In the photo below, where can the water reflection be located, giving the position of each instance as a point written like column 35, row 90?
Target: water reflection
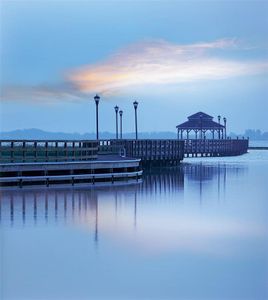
column 167, row 235
column 21, row 206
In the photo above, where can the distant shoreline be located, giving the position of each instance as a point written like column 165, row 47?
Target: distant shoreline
column 257, row 148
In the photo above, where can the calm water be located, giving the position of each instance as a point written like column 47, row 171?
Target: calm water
column 258, row 143
column 199, row 231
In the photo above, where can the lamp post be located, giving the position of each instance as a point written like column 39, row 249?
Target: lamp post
column 219, row 121
column 97, row 100
column 135, row 104
column 121, row 114
column 201, row 126
column 224, row 120
column 116, row 108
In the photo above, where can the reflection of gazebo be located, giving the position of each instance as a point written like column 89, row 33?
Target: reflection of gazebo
column 201, row 123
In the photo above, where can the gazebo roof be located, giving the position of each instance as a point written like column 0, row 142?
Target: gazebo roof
column 200, row 114
column 200, row 121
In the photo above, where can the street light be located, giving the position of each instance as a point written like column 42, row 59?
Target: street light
column 121, row 114
column 201, row 126
column 116, row 108
column 219, row 121
column 135, row 104
column 224, row 120
column 97, row 100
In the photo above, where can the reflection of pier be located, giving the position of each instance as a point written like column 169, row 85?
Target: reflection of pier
column 47, row 206
column 199, row 171
column 216, row 175
column 163, row 181
column 32, row 207
column 43, row 206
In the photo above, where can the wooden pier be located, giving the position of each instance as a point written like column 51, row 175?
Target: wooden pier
column 207, row 147
column 151, row 152
column 48, row 163
column 26, row 162
column 171, row 152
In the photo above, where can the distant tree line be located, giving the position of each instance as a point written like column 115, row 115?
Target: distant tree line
column 252, row 134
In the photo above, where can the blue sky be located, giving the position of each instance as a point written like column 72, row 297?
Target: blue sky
column 174, row 57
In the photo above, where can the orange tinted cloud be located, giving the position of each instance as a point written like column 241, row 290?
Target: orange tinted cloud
column 154, row 63
column 160, row 62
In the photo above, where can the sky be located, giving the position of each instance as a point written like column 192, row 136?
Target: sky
column 174, row 57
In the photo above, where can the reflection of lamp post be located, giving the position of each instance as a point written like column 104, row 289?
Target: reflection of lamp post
column 116, row 108
column 135, row 104
column 97, row 100
column 121, row 114
column 224, row 120
column 219, row 121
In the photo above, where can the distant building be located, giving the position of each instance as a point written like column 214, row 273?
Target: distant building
column 201, row 123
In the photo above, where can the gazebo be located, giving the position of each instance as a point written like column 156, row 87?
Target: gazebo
column 200, row 123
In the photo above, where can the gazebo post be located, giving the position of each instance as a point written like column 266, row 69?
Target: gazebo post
column 181, row 134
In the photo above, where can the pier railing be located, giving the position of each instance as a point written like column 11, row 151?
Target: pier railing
column 47, row 150
column 146, row 150
column 208, row 147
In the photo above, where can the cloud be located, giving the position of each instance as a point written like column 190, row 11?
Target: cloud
column 49, row 93
column 151, row 63
column 163, row 63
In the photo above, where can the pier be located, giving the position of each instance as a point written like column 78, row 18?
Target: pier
column 205, row 147
column 91, row 162
column 74, row 163
column 209, row 137
column 23, row 151
column 171, row 152
column 150, row 152
column 47, row 163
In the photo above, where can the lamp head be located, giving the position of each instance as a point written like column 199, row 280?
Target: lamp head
column 97, row 99
column 120, row 113
column 116, row 108
column 135, row 103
